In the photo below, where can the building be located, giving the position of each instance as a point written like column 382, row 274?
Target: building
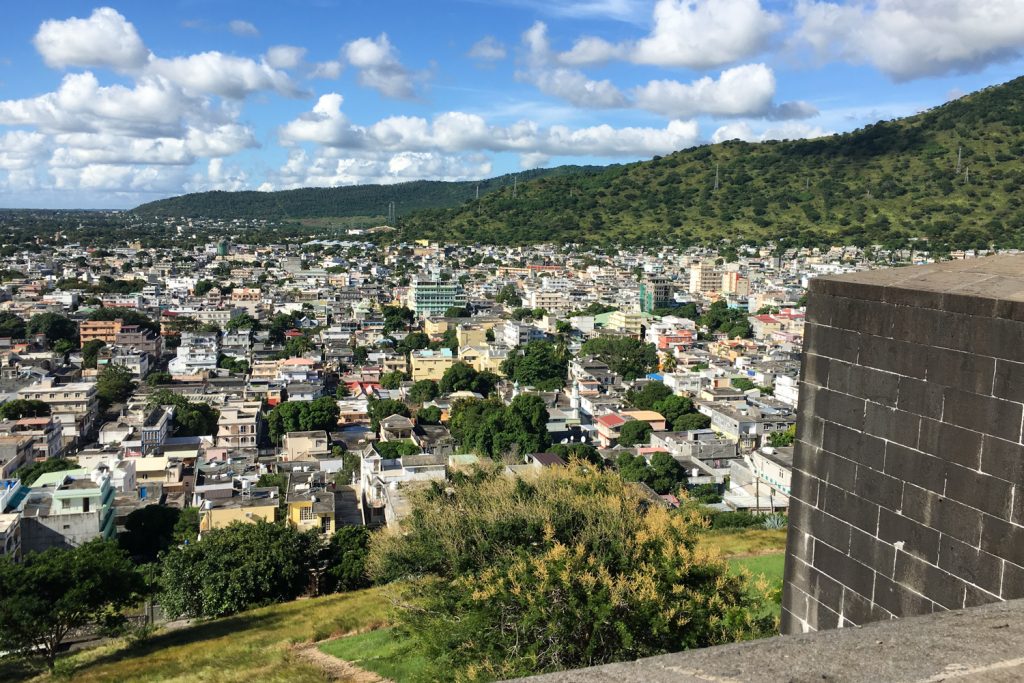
column 67, row 509
column 141, row 338
column 10, row 535
column 627, row 322
column 136, row 361
column 305, row 445
column 242, row 502
column 430, row 364
column 655, row 292
column 15, row 452
column 705, row 278
column 238, row 426
column 197, row 354
column 105, row 331
column 434, row 297
column 45, row 433
column 735, row 284
column 156, row 427
column 310, row 502
column 74, row 405
column 514, row 333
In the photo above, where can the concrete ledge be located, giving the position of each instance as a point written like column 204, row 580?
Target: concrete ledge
column 979, row 644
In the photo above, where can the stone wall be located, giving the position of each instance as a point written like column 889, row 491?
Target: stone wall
column 908, row 483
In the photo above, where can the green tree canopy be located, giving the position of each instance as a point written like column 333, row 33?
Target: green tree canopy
column 649, row 394
column 380, row 409
column 24, row 407
column 149, row 531
column 29, row 473
column 114, row 384
column 431, row 415
column 190, row 419
column 242, row 566
column 532, row 575
column 392, row 380
column 53, row 326
column 634, row 433
column 52, row 593
column 490, row 428
column 11, row 326
column 91, row 351
column 346, row 559
column 691, row 421
column 302, row 416
column 627, row 357
column 423, row 391
column 539, row 364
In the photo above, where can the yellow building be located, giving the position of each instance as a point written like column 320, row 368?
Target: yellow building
column 471, row 335
column 629, row 322
column 429, row 364
column 249, row 506
column 310, row 504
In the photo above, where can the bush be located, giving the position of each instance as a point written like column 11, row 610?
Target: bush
column 526, row 576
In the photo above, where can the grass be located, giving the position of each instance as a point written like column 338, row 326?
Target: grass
column 384, row 652
column 742, row 542
column 251, row 646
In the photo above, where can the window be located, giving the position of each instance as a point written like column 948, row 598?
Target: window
column 85, row 505
column 306, row 514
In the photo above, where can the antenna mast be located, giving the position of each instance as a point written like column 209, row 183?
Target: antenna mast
column 515, row 186
column 959, row 151
column 716, row 175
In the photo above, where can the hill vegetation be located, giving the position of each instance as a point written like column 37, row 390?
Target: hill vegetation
column 341, row 202
column 952, row 174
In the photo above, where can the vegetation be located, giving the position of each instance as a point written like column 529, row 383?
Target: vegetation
column 54, row 326
column 386, row 652
column 546, row 574
column 49, row 594
column 634, row 433
column 539, row 364
column 423, row 391
column 392, row 380
column 114, row 384
column 91, row 352
column 731, row 322
column 663, row 474
column 11, row 326
column 24, row 407
column 128, row 316
column 463, row 377
column 380, row 409
column 648, row 395
column 627, row 357
column 490, row 428
column 153, row 529
column 302, row 416
column 29, row 473
column 784, row 438
column 190, row 419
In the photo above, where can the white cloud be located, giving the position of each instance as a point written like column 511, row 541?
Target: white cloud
column 590, row 50
column 331, row 168
column 240, row 27
column 285, row 56
column 219, row 177
column 906, row 39
column 329, row 70
column 488, row 49
column 379, row 67
column 574, row 87
column 22, row 149
column 533, row 160
column 215, row 73
column 105, row 39
column 742, row 130
column 450, row 132
column 743, row 90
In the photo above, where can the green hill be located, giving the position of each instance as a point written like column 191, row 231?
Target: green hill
column 880, row 184
column 340, row 202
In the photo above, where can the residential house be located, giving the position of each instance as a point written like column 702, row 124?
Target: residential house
column 305, row 445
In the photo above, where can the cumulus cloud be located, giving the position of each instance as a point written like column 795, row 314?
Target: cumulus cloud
column 328, row 71
column 240, row 27
column 907, row 40
column 574, row 87
column 215, row 73
column 105, row 39
column 696, row 34
column 742, row 130
column 488, row 49
column 285, row 56
column 379, row 67
column 450, row 132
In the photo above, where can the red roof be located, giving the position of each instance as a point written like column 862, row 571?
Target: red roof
column 611, row 420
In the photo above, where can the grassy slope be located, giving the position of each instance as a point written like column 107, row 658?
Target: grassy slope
column 882, row 183
column 248, row 647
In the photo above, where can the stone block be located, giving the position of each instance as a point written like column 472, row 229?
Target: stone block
column 843, row 569
column 1009, row 381
column 879, row 488
column 920, row 397
column 898, row 600
column 1002, row 538
column 892, row 424
column 857, row 380
column 891, row 355
column 915, row 467
column 942, row 514
column 983, row 414
column 950, row 443
column 1003, row 459
column 912, row 537
column 840, row 408
column 854, row 445
column 966, row 371
column 930, row 581
column 872, row 551
column 1013, row 581
column 857, row 511
column 980, row 491
column 974, row 566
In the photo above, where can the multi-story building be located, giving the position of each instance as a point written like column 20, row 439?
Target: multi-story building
column 15, row 452
column 105, row 331
column 156, row 427
column 136, row 360
column 655, row 292
column 627, row 322
column 513, row 333
column 310, row 502
column 430, row 364
column 141, row 338
column 67, row 509
column 45, row 433
column 734, row 283
column 305, row 445
column 10, row 535
column 705, row 278
column 238, row 426
column 243, row 502
column 196, row 354
column 74, row 405
column 434, row 297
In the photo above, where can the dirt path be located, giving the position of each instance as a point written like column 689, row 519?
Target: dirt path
column 336, row 669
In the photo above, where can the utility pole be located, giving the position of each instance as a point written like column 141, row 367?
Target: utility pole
column 967, row 174
column 959, row 151
column 515, row 186
column 478, row 191
column 716, row 176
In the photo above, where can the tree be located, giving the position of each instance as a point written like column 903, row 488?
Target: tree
column 743, row 384
column 634, row 433
column 203, row 287
column 242, row 322
column 423, row 391
column 302, row 416
column 148, row 532
column 53, row 326
column 456, row 312
column 491, row 428
column 672, row 408
column 539, row 364
column 52, row 593
column 509, row 296
column 190, row 419
column 114, row 384
column 91, row 351
column 648, row 395
column 346, row 559
column 29, row 473
column 666, row 473
column 380, row 409
column 397, row 318
column 459, row 377
column 630, row 358
column 392, row 380
column 236, row 568
column 24, row 407
column 691, row 421
column 583, row 451
column 512, row 576
column 413, row 342
column 431, row 415
column 11, row 326
column 128, row 316
column 784, row 438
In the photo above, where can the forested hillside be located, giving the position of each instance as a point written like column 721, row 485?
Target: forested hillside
column 338, row 202
column 880, row 184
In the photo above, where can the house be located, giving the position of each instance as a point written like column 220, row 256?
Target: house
column 74, row 405
column 15, row 452
column 242, row 502
column 384, row 483
column 310, row 502
column 305, row 445
column 10, row 535
column 609, row 426
column 396, row 428
column 45, row 433
column 197, row 354
column 430, row 364
column 238, row 426
column 66, row 509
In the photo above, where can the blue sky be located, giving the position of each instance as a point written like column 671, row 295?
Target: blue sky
column 109, row 106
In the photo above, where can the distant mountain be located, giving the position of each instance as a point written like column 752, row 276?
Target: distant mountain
column 342, row 202
column 953, row 174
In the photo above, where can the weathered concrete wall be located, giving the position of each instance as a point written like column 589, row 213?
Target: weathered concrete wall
column 908, row 487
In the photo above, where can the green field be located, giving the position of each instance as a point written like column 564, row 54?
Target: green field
column 384, row 652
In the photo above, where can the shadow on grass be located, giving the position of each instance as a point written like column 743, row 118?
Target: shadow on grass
column 206, row 630
column 18, row 669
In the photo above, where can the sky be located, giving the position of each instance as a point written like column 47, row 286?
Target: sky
column 111, row 106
